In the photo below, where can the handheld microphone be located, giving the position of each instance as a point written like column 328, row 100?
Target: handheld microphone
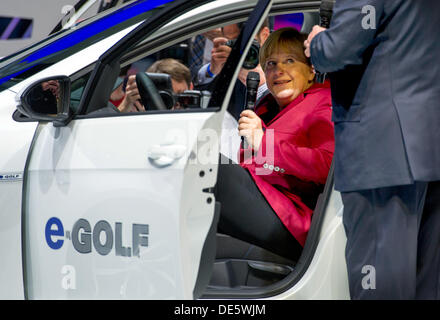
column 252, row 83
column 325, row 14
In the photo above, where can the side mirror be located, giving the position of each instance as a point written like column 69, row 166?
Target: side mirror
column 46, row 100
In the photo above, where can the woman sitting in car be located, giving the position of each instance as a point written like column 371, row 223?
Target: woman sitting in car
column 268, row 199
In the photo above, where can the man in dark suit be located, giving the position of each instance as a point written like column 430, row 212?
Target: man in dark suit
column 382, row 57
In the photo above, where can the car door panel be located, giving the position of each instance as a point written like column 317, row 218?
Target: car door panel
column 98, row 170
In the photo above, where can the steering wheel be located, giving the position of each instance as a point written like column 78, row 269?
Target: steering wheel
column 150, row 96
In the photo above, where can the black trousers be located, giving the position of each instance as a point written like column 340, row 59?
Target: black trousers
column 393, row 242
column 246, row 215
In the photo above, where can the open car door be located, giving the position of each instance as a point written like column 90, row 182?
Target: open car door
column 120, row 206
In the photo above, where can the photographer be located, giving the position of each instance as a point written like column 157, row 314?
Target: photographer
column 221, row 50
column 180, row 80
column 219, row 55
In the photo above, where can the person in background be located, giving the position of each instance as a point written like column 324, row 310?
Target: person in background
column 230, row 141
column 200, row 50
column 180, row 80
column 220, row 54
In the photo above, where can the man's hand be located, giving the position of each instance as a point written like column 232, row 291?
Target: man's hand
column 249, row 126
column 242, row 76
column 219, row 54
column 131, row 102
column 316, row 29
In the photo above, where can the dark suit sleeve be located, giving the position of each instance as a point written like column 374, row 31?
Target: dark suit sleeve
column 345, row 42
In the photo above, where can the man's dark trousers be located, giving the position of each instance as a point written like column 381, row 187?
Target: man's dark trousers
column 394, row 237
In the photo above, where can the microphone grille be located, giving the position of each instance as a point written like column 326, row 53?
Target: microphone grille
column 253, row 79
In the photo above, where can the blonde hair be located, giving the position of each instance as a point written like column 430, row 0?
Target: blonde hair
column 285, row 40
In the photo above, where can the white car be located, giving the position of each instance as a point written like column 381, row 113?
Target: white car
column 98, row 204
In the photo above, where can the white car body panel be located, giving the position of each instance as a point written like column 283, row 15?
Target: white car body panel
column 69, row 167
column 326, row 277
column 15, row 147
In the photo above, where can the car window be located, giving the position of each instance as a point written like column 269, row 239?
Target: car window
column 185, row 63
column 174, row 40
column 181, row 62
column 190, row 58
column 77, row 90
column 188, row 89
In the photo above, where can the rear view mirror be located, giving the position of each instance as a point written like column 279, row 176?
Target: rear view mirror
column 46, row 100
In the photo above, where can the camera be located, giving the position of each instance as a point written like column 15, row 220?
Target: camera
column 193, row 99
column 252, row 59
column 187, row 99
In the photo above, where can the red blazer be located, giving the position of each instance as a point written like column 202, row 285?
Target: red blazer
column 295, row 155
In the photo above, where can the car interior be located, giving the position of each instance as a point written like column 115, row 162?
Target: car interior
column 242, row 269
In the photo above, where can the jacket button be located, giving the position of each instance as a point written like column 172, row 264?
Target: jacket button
column 271, row 167
column 282, row 170
column 265, row 166
column 277, row 169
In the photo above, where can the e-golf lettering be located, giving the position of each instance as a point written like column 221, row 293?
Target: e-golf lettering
column 84, row 237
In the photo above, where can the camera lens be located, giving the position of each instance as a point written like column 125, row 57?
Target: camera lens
column 252, row 58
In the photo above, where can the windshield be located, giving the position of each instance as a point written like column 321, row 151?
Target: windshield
column 60, row 45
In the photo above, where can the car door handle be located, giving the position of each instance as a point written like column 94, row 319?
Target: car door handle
column 165, row 155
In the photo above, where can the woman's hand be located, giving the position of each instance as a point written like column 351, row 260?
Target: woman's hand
column 131, row 102
column 249, row 126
